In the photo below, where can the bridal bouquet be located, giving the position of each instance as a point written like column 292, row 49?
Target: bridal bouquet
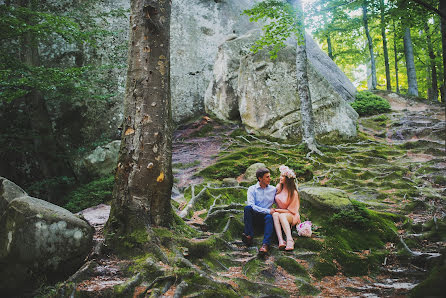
column 304, row 229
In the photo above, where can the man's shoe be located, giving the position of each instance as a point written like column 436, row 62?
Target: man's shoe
column 264, row 249
column 247, row 239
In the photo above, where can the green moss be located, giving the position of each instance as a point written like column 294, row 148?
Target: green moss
column 235, row 163
column 322, row 268
column 291, row 266
column 180, row 165
column 307, row 289
column 433, row 285
column 203, row 131
column 90, row 194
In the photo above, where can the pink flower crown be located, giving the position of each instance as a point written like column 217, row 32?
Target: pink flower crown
column 286, row 171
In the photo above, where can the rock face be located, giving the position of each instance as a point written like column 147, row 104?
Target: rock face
column 39, row 240
column 8, row 192
column 197, row 29
column 263, row 93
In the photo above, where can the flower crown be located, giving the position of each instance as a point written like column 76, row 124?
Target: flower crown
column 286, row 171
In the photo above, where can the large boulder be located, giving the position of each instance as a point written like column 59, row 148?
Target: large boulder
column 8, row 192
column 100, row 162
column 262, row 93
column 38, row 241
column 326, row 198
column 197, row 28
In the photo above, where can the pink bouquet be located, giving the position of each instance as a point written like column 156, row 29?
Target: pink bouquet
column 304, row 229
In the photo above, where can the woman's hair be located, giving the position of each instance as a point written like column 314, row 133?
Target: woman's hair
column 290, row 185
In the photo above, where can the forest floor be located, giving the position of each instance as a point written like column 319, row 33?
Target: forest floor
column 198, row 145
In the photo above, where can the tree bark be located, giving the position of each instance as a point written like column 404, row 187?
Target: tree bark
column 330, row 51
column 410, row 64
column 396, row 59
column 433, row 69
column 386, row 54
column 144, row 179
column 370, row 43
column 303, row 90
column 442, row 8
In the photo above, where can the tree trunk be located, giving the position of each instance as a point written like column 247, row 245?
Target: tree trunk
column 370, row 43
column 396, row 59
column 303, row 89
column 144, row 180
column 330, row 51
column 442, row 8
column 48, row 157
column 433, row 69
column 386, row 54
column 410, row 64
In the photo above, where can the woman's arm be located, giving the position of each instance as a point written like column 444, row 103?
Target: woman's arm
column 282, row 210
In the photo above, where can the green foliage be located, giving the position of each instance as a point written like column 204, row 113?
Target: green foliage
column 283, row 23
column 367, row 103
column 90, row 194
column 50, row 187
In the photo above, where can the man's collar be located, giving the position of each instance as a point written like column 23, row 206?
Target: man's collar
column 258, row 185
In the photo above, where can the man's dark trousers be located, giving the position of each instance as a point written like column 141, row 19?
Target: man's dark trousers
column 252, row 217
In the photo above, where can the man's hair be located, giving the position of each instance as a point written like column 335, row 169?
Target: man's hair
column 260, row 172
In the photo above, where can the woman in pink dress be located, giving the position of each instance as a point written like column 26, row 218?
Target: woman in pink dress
column 286, row 214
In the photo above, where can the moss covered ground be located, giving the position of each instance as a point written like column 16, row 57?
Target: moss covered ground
column 376, row 190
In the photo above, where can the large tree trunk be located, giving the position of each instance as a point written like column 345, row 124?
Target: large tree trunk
column 410, row 64
column 396, row 59
column 442, row 8
column 303, row 90
column 433, row 69
column 370, row 44
column 386, row 54
column 144, row 175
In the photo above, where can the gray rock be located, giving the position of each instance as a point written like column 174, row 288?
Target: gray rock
column 197, row 29
column 263, row 93
column 324, row 197
column 102, row 161
column 40, row 240
column 229, row 182
column 8, row 192
column 250, row 173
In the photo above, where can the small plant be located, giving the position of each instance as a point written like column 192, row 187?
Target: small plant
column 90, row 194
column 367, row 103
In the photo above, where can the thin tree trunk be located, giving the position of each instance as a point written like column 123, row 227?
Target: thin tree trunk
column 144, row 179
column 386, row 54
column 396, row 59
column 303, row 90
column 433, row 69
column 370, row 44
column 442, row 8
column 330, row 51
column 410, row 64
column 47, row 154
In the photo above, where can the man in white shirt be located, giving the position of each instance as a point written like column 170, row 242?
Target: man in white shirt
column 258, row 210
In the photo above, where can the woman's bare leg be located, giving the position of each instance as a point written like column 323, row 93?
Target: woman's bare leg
column 277, row 227
column 286, row 225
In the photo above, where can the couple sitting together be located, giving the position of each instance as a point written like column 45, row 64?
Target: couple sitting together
column 261, row 197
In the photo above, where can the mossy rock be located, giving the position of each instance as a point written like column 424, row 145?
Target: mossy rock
column 323, row 267
column 291, row 266
column 324, row 197
column 434, row 284
column 250, row 173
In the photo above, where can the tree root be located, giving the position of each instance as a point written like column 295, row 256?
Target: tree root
column 191, row 203
column 180, row 289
